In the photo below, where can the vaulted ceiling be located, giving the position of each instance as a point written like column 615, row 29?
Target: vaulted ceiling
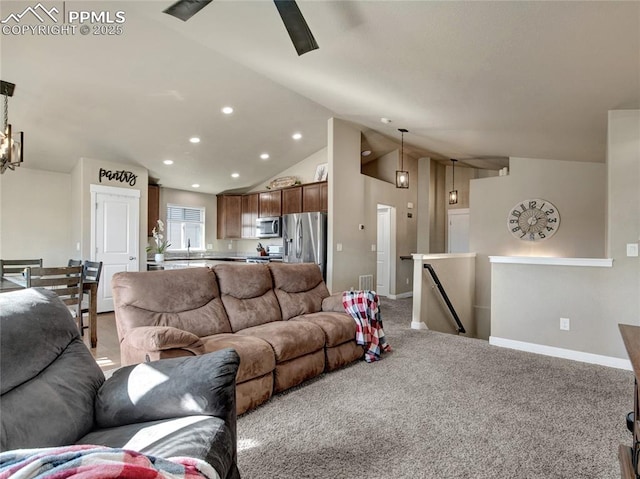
column 467, row 79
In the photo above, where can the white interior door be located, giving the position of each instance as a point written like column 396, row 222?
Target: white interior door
column 383, row 249
column 458, row 230
column 114, row 239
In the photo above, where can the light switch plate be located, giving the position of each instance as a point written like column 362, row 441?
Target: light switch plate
column 632, row 249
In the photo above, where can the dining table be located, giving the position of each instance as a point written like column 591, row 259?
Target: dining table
column 14, row 282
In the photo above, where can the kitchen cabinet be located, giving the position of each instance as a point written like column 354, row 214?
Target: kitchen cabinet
column 249, row 214
column 314, row 197
column 153, row 208
column 324, row 197
column 292, row 200
column 229, row 220
column 270, row 204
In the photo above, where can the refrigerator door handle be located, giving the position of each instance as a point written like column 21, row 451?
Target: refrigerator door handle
column 299, row 238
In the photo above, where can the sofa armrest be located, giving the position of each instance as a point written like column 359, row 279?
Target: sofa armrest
column 159, row 338
column 170, row 388
column 333, row 303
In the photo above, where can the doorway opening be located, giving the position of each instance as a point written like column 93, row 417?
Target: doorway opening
column 386, row 250
column 458, row 230
column 115, row 227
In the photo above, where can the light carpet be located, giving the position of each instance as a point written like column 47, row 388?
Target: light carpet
column 442, row 406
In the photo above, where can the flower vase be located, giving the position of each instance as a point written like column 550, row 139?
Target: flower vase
column 159, row 257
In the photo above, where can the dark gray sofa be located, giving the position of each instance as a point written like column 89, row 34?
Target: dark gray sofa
column 54, row 394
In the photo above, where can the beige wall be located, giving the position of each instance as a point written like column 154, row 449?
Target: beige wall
column 456, row 273
column 594, row 299
column 354, row 197
column 623, row 215
column 577, row 189
column 305, row 170
column 35, row 216
column 88, row 172
column 196, row 200
column 575, row 292
column 438, row 201
column 384, row 168
column 54, row 222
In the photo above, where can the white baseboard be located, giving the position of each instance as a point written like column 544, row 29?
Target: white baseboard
column 418, row 325
column 561, row 353
column 408, row 294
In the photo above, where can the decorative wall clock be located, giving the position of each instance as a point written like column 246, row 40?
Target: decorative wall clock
column 533, row 220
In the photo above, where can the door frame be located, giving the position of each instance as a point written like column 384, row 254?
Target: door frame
column 392, row 246
column 110, row 190
column 451, row 212
column 95, row 190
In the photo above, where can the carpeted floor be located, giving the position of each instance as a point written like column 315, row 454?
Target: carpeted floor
column 442, row 406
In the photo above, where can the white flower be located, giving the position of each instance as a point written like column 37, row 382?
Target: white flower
column 161, row 245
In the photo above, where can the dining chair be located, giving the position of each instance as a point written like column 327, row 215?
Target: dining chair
column 65, row 281
column 90, row 273
column 74, row 262
column 17, row 266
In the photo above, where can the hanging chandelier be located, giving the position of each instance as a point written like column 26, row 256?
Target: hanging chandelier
column 453, row 194
column 11, row 144
column 402, row 177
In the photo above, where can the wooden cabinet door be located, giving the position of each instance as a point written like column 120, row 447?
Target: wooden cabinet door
column 249, row 215
column 292, row 200
column 311, row 197
column 270, row 204
column 229, row 220
column 324, row 196
column 153, row 208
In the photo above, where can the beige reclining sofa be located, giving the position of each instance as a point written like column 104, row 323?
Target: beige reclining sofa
column 279, row 318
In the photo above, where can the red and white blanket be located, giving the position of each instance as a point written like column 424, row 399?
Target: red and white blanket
column 98, row 462
column 364, row 308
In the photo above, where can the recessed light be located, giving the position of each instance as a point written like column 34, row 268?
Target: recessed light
column 296, row 136
column 366, row 153
column 264, row 156
column 235, row 175
column 385, row 120
column 194, row 139
column 195, row 185
column 227, row 110
column 168, row 162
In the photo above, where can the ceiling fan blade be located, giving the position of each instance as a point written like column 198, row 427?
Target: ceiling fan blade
column 185, row 9
column 296, row 26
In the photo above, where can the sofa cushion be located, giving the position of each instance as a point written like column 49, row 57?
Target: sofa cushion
column 299, row 288
column 205, row 437
column 338, row 327
column 256, row 356
column 289, row 339
column 247, row 294
column 169, row 388
column 187, row 299
column 158, row 338
column 49, row 378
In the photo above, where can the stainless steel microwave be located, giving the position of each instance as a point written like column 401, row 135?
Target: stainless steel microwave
column 269, row 227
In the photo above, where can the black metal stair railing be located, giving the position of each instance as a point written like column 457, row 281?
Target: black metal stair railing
column 443, row 293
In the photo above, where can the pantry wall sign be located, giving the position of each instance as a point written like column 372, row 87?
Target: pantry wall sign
column 122, row 176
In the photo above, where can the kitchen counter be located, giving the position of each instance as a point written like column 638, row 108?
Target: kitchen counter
column 180, row 262
column 207, row 257
column 207, row 261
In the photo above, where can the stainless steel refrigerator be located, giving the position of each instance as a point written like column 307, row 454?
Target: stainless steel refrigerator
column 304, row 238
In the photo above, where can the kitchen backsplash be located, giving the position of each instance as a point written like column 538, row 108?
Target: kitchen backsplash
column 244, row 247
